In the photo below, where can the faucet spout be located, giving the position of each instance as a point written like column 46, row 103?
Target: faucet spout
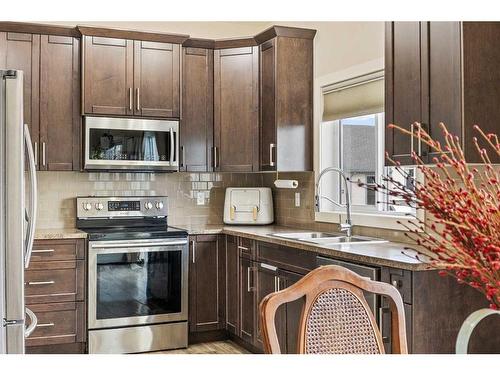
column 344, row 227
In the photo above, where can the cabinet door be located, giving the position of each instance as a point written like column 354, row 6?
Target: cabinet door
column 108, row 76
column 293, row 312
column 232, row 285
column 268, row 105
column 444, row 79
column 206, row 302
column 267, row 282
column 156, row 79
column 59, row 103
column 22, row 52
column 236, row 106
column 247, row 300
column 403, row 86
column 197, row 126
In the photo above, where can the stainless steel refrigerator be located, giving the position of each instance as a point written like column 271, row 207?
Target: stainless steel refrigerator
column 18, row 202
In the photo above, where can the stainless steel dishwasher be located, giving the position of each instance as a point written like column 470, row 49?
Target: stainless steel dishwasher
column 373, row 273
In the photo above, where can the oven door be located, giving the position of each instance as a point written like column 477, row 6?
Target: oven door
column 137, row 282
column 136, row 144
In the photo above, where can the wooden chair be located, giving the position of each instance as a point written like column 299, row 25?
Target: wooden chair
column 336, row 318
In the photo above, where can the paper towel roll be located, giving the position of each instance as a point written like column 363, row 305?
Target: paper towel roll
column 286, row 184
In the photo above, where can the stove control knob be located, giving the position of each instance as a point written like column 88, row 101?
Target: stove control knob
column 148, row 205
column 87, row 206
column 159, row 205
column 99, row 206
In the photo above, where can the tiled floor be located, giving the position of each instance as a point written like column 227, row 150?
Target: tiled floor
column 216, row 347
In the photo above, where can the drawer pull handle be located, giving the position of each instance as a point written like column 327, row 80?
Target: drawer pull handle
column 243, row 248
column 43, row 251
column 41, row 282
column 45, row 325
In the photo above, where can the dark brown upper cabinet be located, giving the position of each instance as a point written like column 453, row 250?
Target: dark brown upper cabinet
column 21, row 51
column 108, row 76
column 131, row 73
column 156, row 79
column 286, row 99
column 60, row 120
column 441, row 72
column 236, row 109
column 196, row 132
column 49, row 56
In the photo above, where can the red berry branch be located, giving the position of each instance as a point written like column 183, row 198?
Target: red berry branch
column 461, row 233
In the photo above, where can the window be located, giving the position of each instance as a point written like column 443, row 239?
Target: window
column 352, row 138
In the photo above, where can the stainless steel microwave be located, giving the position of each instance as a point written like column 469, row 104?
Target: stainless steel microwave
column 132, row 144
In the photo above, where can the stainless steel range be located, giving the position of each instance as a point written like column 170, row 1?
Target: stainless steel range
column 137, row 275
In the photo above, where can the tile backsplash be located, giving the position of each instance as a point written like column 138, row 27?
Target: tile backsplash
column 57, row 192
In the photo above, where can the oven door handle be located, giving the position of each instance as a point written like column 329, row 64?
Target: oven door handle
column 114, row 245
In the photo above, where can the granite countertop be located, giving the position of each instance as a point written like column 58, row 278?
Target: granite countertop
column 59, row 234
column 390, row 254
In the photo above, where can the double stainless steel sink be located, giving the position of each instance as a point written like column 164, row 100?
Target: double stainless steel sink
column 325, row 239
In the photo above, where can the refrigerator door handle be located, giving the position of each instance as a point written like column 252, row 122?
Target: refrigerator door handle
column 30, row 235
column 33, row 323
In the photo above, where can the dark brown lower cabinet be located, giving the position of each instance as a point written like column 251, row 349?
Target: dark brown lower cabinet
column 268, row 281
column 55, row 290
column 247, row 301
column 232, row 285
column 435, row 307
column 206, row 284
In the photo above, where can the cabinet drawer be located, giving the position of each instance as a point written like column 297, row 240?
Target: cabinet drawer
column 58, row 323
column 46, row 282
column 287, row 258
column 48, row 250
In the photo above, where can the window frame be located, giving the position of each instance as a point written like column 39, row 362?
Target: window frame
column 377, row 219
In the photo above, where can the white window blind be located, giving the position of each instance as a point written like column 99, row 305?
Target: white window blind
column 354, row 99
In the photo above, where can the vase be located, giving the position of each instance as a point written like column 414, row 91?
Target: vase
column 468, row 326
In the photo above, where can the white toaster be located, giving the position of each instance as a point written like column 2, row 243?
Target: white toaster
column 250, row 206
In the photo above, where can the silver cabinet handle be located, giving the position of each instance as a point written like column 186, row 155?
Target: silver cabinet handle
column 43, row 251
column 269, row 267
column 276, row 284
column 130, row 98
column 250, row 288
column 33, row 324
column 248, row 280
column 243, row 248
column 411, row 139
column 381, row 311
column 215, row 158
column 43, row 154
column 183, row 162
column 271, row 147
column 138, row 99
column 193, row 247
column 35, row 152
column 41, row 282
column 46, row 325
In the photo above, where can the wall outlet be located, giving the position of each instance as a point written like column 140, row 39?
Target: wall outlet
column 297, row 199
column 200, row 198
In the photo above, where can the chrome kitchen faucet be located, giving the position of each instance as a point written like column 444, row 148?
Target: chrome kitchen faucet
column 344, row 227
